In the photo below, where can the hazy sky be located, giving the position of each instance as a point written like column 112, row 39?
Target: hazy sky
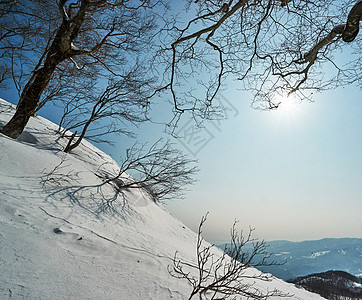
column 292, row 174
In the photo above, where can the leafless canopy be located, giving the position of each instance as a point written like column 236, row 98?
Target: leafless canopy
column 273, row 47
column 123, row 102
column 65, row 49
column 58, row 49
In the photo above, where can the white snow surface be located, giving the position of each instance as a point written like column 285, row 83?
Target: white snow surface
column 316, row 254
column 109, row 245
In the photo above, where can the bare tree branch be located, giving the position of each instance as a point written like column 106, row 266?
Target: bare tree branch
column 272, row 47
column 163, row 171
column 79, row 41
column 228, row 274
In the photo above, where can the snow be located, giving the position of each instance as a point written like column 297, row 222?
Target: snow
column 65, row 234
column 282, row 253
column 316, row 254
column 342, row 251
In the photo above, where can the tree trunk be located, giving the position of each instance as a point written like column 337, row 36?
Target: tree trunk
column 28, row 101
column 34, row 88
column 352, row 27
column 59, row 50
column 71, row 146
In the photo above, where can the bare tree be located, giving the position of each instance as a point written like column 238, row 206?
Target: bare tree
column 271, row 47
column 163, row 171
column 226, row 275
column 55, row 48
column 122, row 102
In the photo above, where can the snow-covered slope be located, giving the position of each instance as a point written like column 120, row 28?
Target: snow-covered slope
column 64, row 234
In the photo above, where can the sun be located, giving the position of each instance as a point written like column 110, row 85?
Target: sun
column 288, row 111
column 287, row 105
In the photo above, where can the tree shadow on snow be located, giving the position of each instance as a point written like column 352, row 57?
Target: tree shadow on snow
column 98, row 199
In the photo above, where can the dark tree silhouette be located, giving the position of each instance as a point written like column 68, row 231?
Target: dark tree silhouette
column 273, row 48
column 54, row 49
column 58, row 49
column 123, row 102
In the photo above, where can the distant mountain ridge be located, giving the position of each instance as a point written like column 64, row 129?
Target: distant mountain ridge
column 333, row 285
column 315, row 256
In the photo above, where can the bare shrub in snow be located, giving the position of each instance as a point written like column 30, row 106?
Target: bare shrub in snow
column 227, row 275
column 163, row 171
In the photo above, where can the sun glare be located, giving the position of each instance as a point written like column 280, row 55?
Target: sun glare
column 287, row 105
column 288, row 111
